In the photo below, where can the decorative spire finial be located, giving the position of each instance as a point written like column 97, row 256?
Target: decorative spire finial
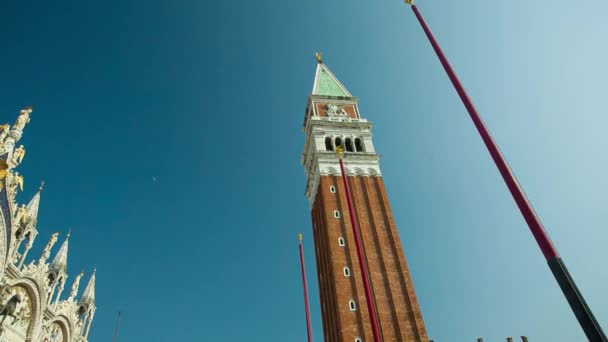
column 47, row 250
column 319, row 57
column 16, row 131
column 409, row 2
column 340, row 151
column 23, row 118
column 300, row 237
column 88, row 295
column 75, row 285
column 32, row 207
column 60, row 261
column 41, row 186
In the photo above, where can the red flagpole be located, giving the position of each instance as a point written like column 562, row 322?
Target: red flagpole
column 580, row 308
column 362, row 263
column 305, row 284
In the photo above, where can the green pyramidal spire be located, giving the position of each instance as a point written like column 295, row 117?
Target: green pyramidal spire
column 326, row 83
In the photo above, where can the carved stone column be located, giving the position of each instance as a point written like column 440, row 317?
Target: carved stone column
column 86, row 334
column 48, row 301
column 58, row 295
column 30, row 242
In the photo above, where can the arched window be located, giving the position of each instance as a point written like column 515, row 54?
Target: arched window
column 358, row 339
column 328, row 144
column 349, row 145
column 336, row 214
column 346, row 272
column 338, row 142
column 341, row 242
column 351, row 305
column 358, row 145
column 332, row 189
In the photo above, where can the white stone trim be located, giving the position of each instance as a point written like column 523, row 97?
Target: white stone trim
column 352, row 306
column 317, row 161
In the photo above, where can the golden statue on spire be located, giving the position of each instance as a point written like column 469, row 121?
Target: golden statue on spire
column 319, row 57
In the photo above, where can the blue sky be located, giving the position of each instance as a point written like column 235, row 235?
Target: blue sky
column 169, row 137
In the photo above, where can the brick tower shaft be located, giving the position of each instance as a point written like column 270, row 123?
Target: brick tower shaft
column 332, row 119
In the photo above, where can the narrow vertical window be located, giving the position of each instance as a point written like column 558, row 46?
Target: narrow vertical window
column 351, row 305
column 349, row 145
column 332, row 189
column 341, row 242
column 328, row 144
column 358, row 145
column 346, row 272
column 336, row 214
column 358, row 339
column 338, row 142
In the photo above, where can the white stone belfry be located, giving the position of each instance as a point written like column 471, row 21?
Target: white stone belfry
column 40, row 313
column 332, row 118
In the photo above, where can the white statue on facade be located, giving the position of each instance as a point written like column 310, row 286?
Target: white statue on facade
column 75, row 285
column 47, row 250
column 23, row 119
column 18, row 155
column 4, row 131
column 27, row 311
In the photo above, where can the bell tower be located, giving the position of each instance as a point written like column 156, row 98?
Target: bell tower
column 332, row 119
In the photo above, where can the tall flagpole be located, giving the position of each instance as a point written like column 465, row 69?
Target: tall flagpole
column 580, row 308
column 362, row 263
column 305, row 285
column 116, row 329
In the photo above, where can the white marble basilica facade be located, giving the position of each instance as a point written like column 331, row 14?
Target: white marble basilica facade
column 32, row 307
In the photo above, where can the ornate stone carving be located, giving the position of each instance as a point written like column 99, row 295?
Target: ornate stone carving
column 13, row 181
column 46, row 253
column 4, row 129
column 16, row 304
column 23, row 119
column 8, row 309
column 53, row 333
column 26, row 312
column 335, row 110
column 75, row 285
column 18, row 154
